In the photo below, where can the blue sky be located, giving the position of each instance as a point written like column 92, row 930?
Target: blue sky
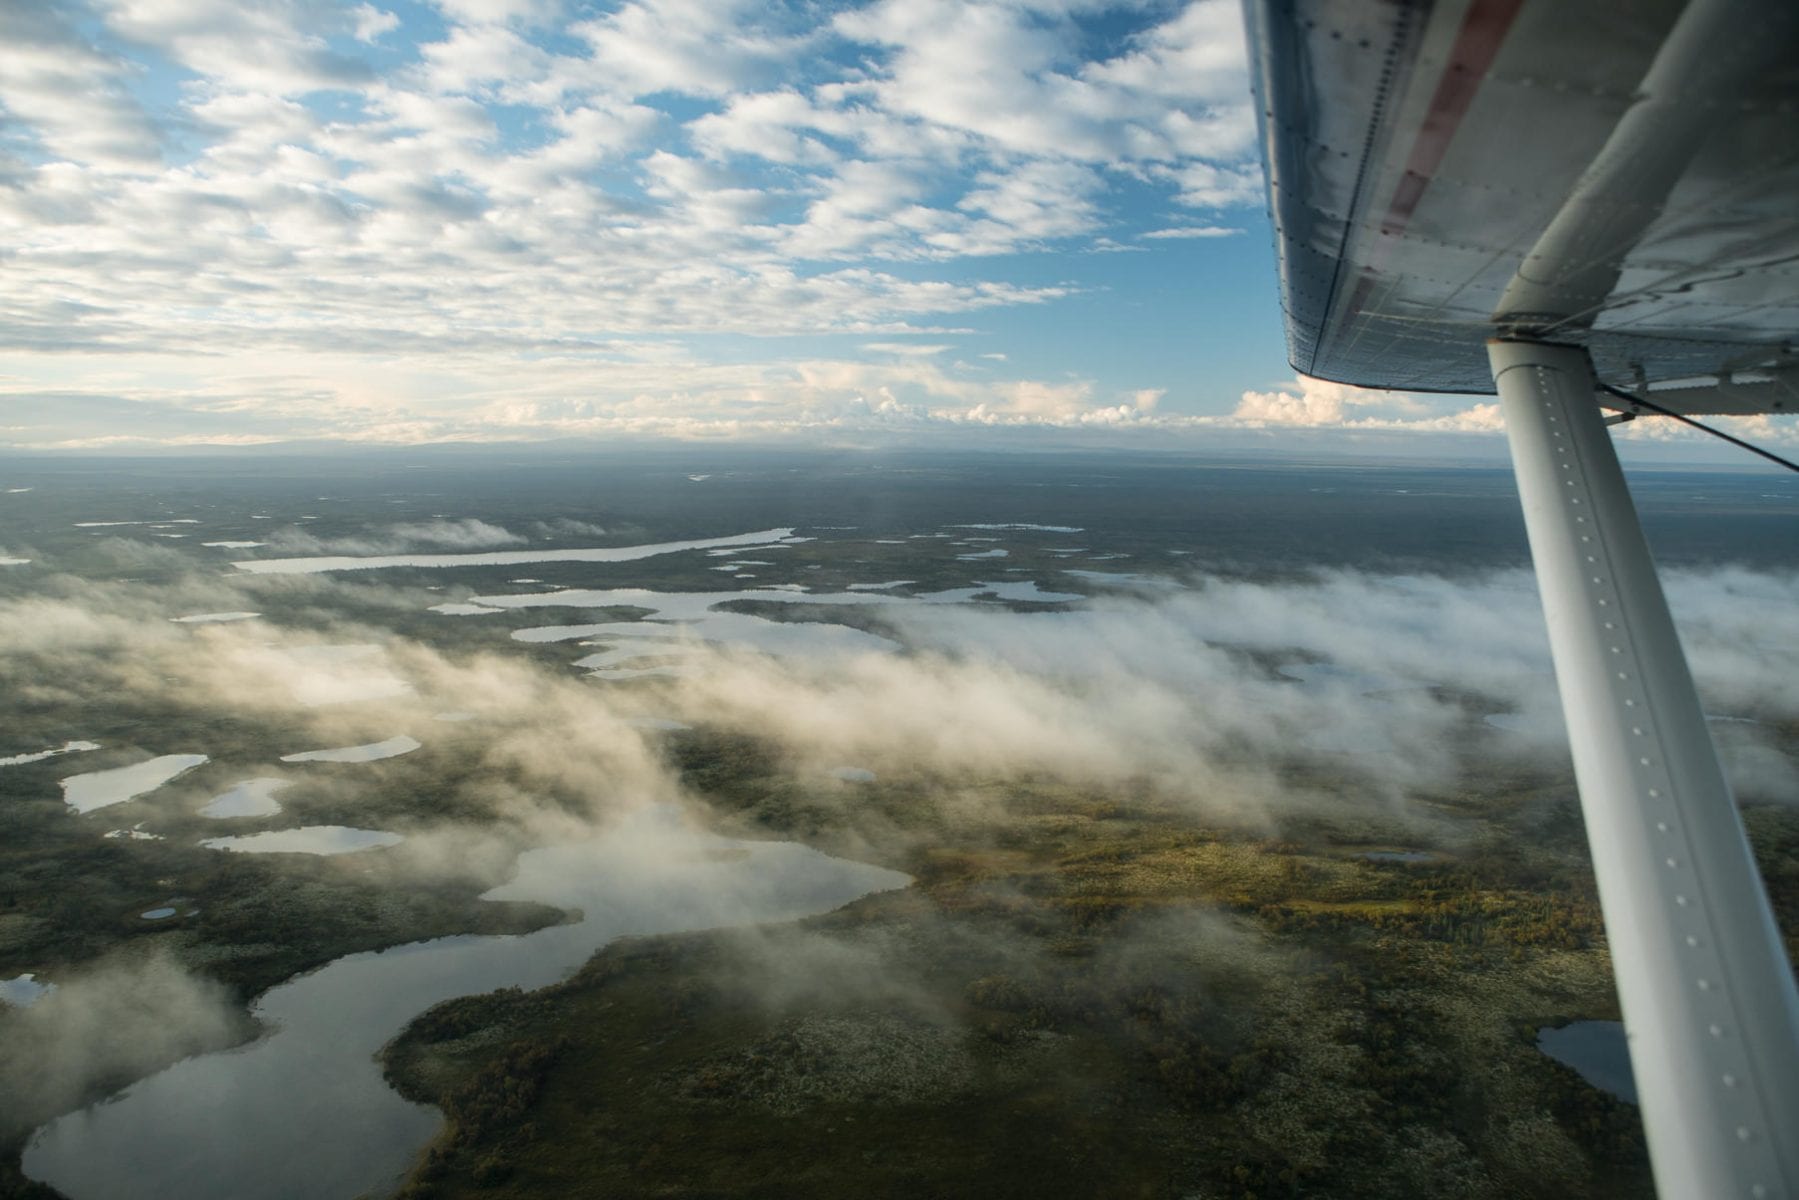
column 517, row 220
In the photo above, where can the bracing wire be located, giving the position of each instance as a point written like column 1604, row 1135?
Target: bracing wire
column 1637, row 401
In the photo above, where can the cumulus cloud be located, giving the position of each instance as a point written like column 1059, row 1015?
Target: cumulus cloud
column 998, row 72
column 306, row 225
column 280, row 48
column 1320, row 404
column 241, row 225
column 1213, row 185
column 697, row 49
column 660, row 390
column 372, row 22
column 72, row 98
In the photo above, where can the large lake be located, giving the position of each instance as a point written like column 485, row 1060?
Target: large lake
column 304, row 1112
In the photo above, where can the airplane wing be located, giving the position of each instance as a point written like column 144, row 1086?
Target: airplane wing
column 1622, row 176
column 1544, row 198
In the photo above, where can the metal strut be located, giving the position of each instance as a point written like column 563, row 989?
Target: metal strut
column 1710, row 1008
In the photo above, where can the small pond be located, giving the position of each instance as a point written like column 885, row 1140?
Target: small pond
column 1597, row 1051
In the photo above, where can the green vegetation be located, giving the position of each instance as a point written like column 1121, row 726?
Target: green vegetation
column 70, row 900
column 1082, row 995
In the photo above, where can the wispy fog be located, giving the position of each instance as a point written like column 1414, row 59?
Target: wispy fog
column 466, row 533
column 109, row 1022
column 1208, row 690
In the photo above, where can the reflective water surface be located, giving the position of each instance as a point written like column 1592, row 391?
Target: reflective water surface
column 303, row 1112
column 1597, row 1052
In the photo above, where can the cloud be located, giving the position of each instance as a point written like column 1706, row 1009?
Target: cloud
column 663, row 389
column 499, row 12
column 466, row 533
column 1194, row 231
column 1214, row 185
column 689, row 47
column 905, row 349
column 998, row 72
column 279, row 48
column 776, row 126
column 1192, row 686
column 469, row 533
column 372, row 22
column 1181, row 688
column 406, row 210
column 1320, row 404
column 1316, row 403
column 1762, row 429
column 556, row 754
column 568, row 527
column 72, row 98
column 115, row 1019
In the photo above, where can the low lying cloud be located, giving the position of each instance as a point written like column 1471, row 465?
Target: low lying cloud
column 568, row 527
column 1205, row 687
column 1211, row 690
column 111, row 1022
column 467, row 533
column 1124, row 691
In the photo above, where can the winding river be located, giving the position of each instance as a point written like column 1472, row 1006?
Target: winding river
column 303, row 1111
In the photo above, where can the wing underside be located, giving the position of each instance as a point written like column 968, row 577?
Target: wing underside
column 1617, row 175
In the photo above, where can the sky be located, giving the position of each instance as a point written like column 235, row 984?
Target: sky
column 523, row 220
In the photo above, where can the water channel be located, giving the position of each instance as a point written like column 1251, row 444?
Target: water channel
column 303, row 1111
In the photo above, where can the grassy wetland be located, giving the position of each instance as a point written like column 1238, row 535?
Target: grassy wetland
column 1244, row 855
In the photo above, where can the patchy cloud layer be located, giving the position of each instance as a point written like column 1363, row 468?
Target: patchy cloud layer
column 519, row 219
column 1209, row 690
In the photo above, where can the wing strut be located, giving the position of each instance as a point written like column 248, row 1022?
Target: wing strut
column 1710, row 1008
